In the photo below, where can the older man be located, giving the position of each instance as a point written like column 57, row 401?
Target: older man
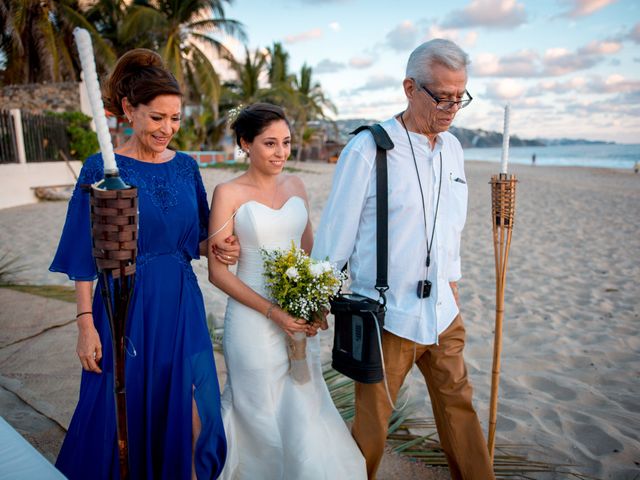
column 427, row 195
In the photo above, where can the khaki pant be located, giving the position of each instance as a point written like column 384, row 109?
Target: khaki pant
column 445, row 372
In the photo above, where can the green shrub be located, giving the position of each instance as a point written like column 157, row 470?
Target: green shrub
column 83, row 142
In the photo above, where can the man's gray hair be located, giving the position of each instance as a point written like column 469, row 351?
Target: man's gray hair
column 439, row 50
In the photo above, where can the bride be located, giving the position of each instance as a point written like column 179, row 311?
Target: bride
column 275, row 427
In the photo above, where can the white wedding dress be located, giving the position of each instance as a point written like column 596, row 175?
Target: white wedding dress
column 276, row 429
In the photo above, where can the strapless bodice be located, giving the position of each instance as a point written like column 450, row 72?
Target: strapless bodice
column 260, row 227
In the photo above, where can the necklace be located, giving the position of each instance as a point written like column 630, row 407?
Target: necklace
column 424, row 286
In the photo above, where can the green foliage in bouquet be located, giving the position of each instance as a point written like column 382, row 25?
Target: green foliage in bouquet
column 300, row 285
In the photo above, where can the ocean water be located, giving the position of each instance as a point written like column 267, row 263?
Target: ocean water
column 622, row 156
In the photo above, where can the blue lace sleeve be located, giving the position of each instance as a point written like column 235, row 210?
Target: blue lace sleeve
column 74, row 256
column 203, row 204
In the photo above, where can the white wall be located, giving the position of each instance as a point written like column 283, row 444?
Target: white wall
column 16, row 180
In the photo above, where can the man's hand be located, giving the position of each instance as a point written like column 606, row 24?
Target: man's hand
column 227, row 252
column 454, row 290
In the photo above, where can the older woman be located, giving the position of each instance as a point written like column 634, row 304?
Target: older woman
column 173, row 398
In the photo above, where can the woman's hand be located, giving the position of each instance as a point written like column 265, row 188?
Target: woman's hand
column 89, row 348
column 288, row 323
column 227, row 252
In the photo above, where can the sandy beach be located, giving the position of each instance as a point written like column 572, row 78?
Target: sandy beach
column 570, row 378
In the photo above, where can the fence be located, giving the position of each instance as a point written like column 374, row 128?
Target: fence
column 8, row 148
column 44, row 137
column 39, row 138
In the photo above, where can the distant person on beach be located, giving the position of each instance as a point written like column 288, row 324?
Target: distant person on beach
column 173, row 400
column 636, row 167
column 427, row 196
column 533, row 159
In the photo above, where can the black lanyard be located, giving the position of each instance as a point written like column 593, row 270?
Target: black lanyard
column 424, row 209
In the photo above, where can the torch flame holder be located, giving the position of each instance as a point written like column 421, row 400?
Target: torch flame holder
column 503, row 200
column 503, row 208
column 114, row 230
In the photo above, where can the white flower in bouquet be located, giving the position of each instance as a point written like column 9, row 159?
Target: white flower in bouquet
column 292, row 273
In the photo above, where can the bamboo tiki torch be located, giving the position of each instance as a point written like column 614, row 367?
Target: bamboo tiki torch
column 114, row 231
column 503, row 203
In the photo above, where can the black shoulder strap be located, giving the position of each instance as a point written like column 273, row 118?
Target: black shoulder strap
column 383, row 143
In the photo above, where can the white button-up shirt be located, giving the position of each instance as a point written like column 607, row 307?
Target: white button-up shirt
column 347, row 230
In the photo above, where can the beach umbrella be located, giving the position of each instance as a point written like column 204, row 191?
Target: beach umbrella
column 503, row 205
column 114, row 231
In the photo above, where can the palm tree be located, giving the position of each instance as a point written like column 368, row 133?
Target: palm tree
column 37, row 41
column 280, row 90
column 182, row 32
column 310, row 104
column 246, row 89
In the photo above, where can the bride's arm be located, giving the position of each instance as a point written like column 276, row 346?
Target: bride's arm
column 222, row 208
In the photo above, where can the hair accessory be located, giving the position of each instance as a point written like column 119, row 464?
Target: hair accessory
column 234, row 113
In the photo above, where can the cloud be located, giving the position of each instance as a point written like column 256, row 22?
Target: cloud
column 519, row 64
column 403, row 37
column 335, row 26
column 467, row 41
column 597, row 48
column 505, row 14
column 360, row 62
column 577, row 84
column 328, row 66
column 507, row 89
column 582, row 8
column 613, row 84
column 304, row 36
column 379, row 82
column 553, row 62
column 560, row 61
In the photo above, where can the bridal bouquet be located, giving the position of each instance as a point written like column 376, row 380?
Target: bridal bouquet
column 302, row 287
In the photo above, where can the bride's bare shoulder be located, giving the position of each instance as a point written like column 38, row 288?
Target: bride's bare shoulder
column 294, row 185
column 235, row 187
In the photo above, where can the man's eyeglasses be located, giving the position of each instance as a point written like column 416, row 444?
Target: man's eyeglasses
column 447, row 105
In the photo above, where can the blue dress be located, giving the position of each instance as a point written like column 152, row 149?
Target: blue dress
column 169, row 357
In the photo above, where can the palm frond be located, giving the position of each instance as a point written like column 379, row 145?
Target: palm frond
column 142, row 20
column 227, row 26
column 10, row 267
column 103, row 50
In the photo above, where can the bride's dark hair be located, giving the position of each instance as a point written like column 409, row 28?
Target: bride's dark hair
column 254, row 119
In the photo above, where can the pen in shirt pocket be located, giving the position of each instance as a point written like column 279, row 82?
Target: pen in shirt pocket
column 457, row 179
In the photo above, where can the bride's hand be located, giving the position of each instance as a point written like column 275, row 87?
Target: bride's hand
column 288, row 323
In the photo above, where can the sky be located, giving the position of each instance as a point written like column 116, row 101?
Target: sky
column 568, row 68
